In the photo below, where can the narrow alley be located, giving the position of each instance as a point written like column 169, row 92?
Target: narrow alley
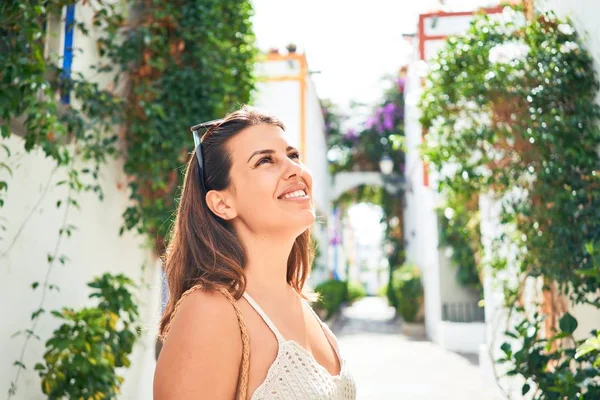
column 388, row 365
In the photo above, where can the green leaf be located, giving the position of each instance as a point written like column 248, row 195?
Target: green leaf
column 5, row 133
column 507, row 349
column 37, row 313
column 34, row 285
column 525, row 389
column 568, row 323
column 590, row 345
column 19, row 364
column 583, row 350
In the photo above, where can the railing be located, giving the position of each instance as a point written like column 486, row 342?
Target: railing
column 462, row 312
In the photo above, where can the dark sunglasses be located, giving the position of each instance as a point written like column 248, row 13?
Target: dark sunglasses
column 206, row 126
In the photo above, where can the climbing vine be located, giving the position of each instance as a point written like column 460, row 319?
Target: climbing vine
column 185, row 62
column 35, row 87
column 511, row 114
column 32, row 87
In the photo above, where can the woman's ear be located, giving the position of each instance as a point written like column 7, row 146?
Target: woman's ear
column 221, row 204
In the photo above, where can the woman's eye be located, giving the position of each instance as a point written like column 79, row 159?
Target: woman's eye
column 295, row 155
column 260, row 162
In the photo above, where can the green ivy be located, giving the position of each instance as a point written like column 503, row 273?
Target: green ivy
column 510, row 111
column 187, row 62
column 31, row 87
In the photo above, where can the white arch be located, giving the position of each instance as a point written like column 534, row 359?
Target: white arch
column 344, row 181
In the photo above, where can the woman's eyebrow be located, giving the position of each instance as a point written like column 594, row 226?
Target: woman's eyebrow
column 268, row 151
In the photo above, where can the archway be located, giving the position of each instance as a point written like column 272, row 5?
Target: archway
column 352, row 189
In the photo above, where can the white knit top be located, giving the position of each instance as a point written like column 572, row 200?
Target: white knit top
column 296, row 374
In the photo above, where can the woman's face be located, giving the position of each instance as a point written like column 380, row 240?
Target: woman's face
column 271, row 191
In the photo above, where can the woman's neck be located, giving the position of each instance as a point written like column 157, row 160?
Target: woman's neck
column 266, row 265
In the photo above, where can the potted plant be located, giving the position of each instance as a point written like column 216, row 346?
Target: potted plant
column 408, row 289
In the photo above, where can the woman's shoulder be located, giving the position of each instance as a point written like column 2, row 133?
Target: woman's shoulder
column 203, row 341
column 206, row 310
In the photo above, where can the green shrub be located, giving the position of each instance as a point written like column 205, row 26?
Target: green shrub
column 355, row 291
column 382, row 292
column 83, row 353
column 408, row 290
column 332, row 294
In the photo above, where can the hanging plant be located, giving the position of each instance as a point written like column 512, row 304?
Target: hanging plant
column 382, row 133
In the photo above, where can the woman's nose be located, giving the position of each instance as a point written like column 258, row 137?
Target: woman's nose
column 293, row 169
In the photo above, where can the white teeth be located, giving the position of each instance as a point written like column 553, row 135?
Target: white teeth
column 297, row 193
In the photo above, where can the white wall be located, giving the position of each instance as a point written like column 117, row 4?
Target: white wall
column 33, row 221
column 451, row 291
column 462, row 337
column 94, row 248
column 420, row 221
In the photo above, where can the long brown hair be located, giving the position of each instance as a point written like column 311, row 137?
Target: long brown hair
column 204, row 249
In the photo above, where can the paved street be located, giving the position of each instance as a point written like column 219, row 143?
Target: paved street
column 388, row 365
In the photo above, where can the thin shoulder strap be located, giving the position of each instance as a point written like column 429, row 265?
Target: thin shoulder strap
column 265, row 317
column 242, row 387
column 328, row 333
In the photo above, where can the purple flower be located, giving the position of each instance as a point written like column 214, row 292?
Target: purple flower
column 336, row 239
column 370, row 122
column 400, row 82
column 388, row 116
column 351, row 134
column 389, row 108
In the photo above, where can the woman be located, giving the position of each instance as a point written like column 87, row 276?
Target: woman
column 238, row 324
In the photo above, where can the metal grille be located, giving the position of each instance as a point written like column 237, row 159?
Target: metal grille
column 462, row 312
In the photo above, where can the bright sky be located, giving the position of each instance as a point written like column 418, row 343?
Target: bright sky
column 365, row 221
column 352, row 43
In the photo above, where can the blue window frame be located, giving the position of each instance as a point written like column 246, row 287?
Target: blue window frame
column 68, row 51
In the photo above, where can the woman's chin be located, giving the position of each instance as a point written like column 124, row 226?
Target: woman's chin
column 301, row 220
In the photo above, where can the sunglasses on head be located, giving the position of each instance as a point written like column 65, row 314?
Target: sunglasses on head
column 206, row 126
